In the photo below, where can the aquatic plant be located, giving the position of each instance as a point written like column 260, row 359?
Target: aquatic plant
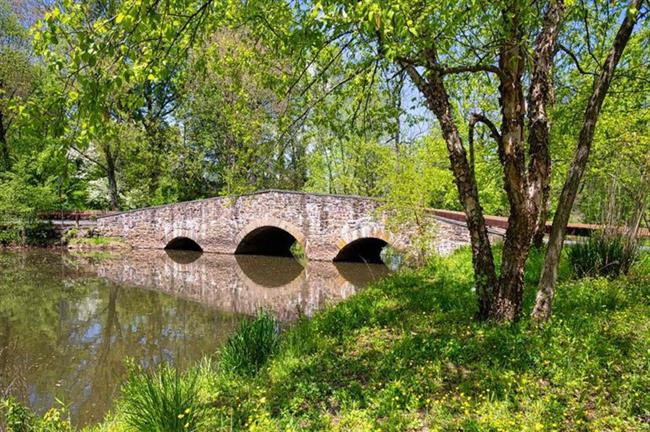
column 162, row 401
column 251, row 345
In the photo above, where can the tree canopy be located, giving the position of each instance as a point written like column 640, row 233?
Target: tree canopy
column 512, row 108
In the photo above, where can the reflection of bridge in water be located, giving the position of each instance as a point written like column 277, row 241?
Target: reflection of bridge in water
column 242, row 283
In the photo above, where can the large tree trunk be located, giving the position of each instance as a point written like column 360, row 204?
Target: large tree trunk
column 539, row 97
column 546, row 290
column 525, row 189
column 540, row 227
column 435, row 93
column 509, row 294
column 111, row 174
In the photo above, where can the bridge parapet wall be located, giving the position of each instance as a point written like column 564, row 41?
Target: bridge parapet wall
column 323, row 224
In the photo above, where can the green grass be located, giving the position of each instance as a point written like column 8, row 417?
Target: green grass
column 602, row 256
column 248, row 349
column 406, row 354
column 97, row 243
column 163, row 401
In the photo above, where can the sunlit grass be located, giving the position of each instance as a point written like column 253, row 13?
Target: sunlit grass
column 163, row 401
column 407, row 354
column 251, row 345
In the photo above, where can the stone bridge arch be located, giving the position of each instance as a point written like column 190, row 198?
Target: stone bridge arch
column 183, row 243
column 268, row 235
column 363, row 244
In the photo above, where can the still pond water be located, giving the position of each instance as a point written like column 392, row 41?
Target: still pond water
column 68, row 322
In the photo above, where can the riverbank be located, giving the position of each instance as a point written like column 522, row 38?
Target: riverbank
column 45, row 236
column 406, row 354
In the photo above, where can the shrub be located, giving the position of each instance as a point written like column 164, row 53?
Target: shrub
column 19, row 418
column 253, row 343
column 298, row 252
column 162, row 401
column 54, row 420
column 28, row 234
column 9, row 236
column 40, row 234
column 602, row 256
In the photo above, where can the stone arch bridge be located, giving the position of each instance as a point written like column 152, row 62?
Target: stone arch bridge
column 328, row 227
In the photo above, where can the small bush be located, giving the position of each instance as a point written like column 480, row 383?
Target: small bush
column 30, row 234
column 298, row 252
column 163, row 401
column 249, row 348
column 54, row 420
column 9, row 236
column 602, row 256
column 40, row 234
column 18, row 418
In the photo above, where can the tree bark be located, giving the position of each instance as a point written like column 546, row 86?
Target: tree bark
column 524, row 188
column 509, row 293
column 111, row 174
column 539, row 97
column 540, row 227
column 435, row 93
column 546, row 289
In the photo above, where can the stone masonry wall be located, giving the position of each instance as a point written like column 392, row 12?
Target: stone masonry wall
column 323, row 224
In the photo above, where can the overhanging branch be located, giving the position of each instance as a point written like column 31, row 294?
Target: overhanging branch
column 467, row 68
column 573, row 58
column 481, row 118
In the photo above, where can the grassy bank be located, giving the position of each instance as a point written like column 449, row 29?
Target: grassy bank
column 406, row 354
column 97, row 244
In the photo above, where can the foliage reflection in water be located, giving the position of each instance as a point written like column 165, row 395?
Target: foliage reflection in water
column 69, row 322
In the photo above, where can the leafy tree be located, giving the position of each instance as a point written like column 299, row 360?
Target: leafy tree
column 468, row 63
column 601, row 83
column 235, row 117
column 17, row 75
column 433, row 42
column 615, row 182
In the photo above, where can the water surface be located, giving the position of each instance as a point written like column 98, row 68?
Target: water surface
column 68, row 322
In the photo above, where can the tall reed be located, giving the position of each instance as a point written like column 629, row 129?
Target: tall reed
column 162, row 401
column 602, row 255
column 251, row 345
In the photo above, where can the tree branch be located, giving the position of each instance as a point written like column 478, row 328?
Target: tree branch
column 575, row 60
column 546, row 290
column 481, row 118
column 85, row 156
column 468, row 68
column 539, row 97
column 450, row 70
